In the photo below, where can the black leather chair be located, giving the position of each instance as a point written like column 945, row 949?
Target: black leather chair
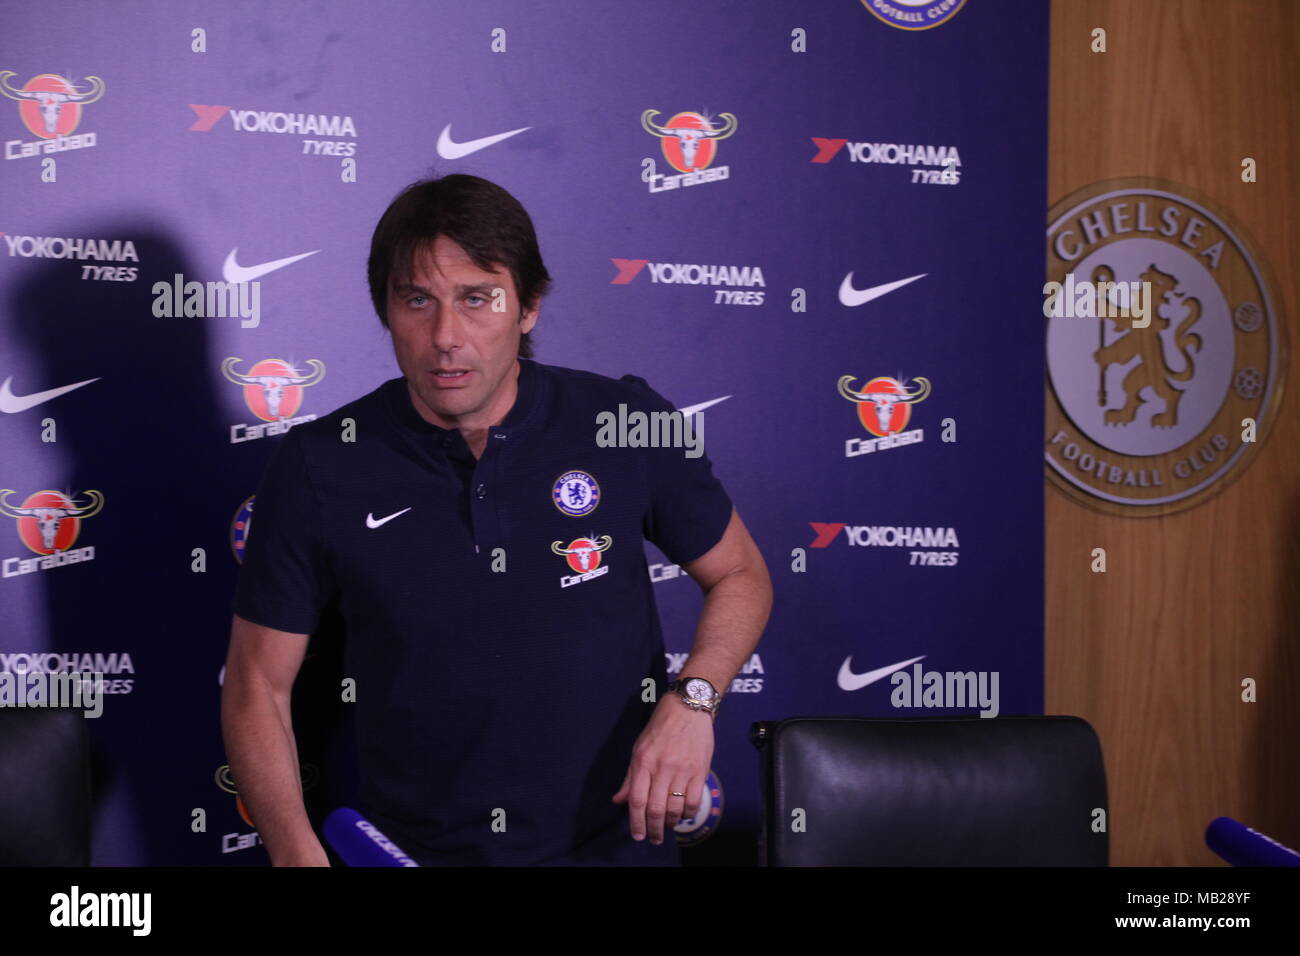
column 931, row 791
column 45, row 803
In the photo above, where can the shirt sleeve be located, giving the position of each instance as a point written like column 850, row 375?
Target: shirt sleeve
column 688, row 509
column 285, row 579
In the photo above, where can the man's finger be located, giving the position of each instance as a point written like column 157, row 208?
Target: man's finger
column 680, row 784
column 691, row 802
column 638, row 795
column 658, row 805
column 622, row 791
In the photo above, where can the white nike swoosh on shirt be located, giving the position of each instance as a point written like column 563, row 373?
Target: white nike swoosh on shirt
column 851, row 681
column 692, row 409
column 852, row 297
column 448, row 149
column 11, row 403
column 232, row 271
column 372, row 522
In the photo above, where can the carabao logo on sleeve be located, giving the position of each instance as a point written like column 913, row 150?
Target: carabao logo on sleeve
column 576, row 493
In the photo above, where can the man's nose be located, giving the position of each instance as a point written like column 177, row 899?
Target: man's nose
column 448, row 328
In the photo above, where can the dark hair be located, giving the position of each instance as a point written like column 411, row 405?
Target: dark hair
column 484, row 219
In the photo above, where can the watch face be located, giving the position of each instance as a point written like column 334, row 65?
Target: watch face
column 699, row 689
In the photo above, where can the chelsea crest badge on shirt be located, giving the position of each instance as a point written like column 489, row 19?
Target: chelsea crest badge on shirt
column 576, row 493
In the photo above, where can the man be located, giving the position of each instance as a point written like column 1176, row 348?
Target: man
column 486, row 555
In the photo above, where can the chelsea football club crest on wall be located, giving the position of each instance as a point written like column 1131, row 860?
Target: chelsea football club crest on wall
column 1166, row 357
column 576, row 493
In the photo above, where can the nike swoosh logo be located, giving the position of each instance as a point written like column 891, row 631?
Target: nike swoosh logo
column 232, row 271
column 11, row 403
column 692, row 409
column 851, row 297
column 448, row 149
column 372, row 522
column 851, row 681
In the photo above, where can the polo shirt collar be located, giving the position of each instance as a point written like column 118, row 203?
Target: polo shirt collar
column 522, row 413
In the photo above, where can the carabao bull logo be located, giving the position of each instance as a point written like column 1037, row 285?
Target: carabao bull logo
column 309, row 773
column 689, row 140
column 273, row 387
column 583, row 554
column 49, row 104
column 884, row 404
column 49, row 521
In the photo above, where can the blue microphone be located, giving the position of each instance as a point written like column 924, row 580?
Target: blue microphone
column 360, row 843
column 1242, row 846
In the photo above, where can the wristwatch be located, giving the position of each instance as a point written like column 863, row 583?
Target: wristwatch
column 698, row 694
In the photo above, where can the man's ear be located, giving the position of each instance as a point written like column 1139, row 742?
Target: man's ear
column 528, row 319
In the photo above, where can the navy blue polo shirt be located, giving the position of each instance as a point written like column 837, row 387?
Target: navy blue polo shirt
column 496, row 710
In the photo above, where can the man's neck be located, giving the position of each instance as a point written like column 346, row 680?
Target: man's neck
column 474, row 428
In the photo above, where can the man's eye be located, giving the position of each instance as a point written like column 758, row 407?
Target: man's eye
column 476, row 296
column 416, row 301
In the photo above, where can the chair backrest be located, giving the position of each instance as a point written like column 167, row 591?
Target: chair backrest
column 932, row 791
column 45, row 800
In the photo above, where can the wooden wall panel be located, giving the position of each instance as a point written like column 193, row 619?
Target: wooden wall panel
column 1153, row 652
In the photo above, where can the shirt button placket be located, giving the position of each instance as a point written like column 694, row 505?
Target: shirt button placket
column 482, row 508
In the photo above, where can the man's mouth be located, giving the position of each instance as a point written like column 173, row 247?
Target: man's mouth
column 451, row 376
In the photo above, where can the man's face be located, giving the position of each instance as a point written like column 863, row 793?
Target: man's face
column 442, row 320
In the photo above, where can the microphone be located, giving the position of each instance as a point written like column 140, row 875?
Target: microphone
column 359, row 842
column 1242, row 846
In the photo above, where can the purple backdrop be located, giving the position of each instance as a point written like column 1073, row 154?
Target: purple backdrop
column 858, row 153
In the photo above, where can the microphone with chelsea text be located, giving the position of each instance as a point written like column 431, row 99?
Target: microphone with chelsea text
column 360, row 843
column 1242, row 846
